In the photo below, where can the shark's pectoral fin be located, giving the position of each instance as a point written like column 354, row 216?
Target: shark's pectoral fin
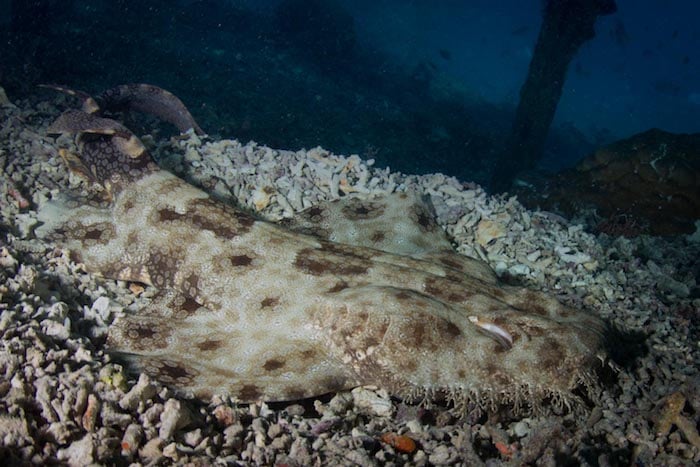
column 201, row 351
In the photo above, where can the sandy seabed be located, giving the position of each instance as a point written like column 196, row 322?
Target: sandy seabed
column 63, row 400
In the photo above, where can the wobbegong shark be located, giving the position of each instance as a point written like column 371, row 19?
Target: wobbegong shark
column 349, row 293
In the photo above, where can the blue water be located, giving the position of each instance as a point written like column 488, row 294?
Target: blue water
column 421, row 86
column 642, row 69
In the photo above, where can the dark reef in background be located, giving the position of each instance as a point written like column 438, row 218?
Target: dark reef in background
column 567, row 24
column 646, row 184
column 295, row 78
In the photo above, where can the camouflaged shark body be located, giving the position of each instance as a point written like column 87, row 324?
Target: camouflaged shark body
column 353, row 292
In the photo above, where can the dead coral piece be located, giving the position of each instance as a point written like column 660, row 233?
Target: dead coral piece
column 652, row 177
column 670, row 414
column 401, row 443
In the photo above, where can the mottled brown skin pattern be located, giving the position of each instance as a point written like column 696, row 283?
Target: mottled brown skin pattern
column 139, row 97
column 149, row 99
column 261, row 312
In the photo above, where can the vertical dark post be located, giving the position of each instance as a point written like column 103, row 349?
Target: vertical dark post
column 566, row 25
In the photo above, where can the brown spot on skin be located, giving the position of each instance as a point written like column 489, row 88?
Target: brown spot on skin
column 101, row 232
column 564, row 312
column 499, row 321
column 190, row 285
column 225, row 373
column 240, row 260
column 378, row 236
column 446, row 290
column 361, row 209
column 371, row 340
column 315, row 214
column 418, row 334
column 551, row 354
column 166, row 214
column 269, row 302
column 132, row 238
column 209, row 344
column 207, row 214
column 537, row 309
column 345, row 250
column 424, row 218
column 498, row 293
column 218, row 227
column 453, row 278
column 496, row 374
column 402, row 295
column 274, row 364
column 142, row 332
column 75, row 256
column 382, row 330
column 162, row 263
column 250, row 392
column 171, row 372
column 531, row 302
column 317, row 263
column 314, row 211
column 452, row 329
column 450, row 263
column 190, row 305
column 147, row 335
column 305, row 262
column 410, row 366
column 277, row 241
column 204, row 394
column 93, row 234
column 129, row 205
column 246, row 221
column 333, row 383
column 296, row 393
column 532, row 330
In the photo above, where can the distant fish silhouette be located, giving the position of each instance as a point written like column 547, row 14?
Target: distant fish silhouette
column 445, row 54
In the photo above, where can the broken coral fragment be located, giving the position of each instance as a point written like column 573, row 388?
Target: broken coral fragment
column 670, row 414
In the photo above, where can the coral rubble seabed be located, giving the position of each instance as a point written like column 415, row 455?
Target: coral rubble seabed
column 63, row 398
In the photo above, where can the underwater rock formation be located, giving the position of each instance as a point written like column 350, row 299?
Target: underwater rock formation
column 648, row 183
column 261, row 311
